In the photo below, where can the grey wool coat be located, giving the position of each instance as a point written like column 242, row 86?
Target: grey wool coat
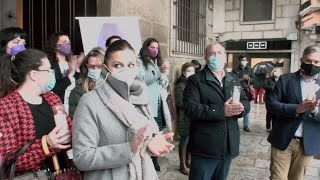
column 101, row 144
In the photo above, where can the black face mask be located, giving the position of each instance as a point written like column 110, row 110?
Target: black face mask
column 310, row 69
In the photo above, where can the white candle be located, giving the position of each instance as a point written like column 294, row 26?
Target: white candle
column 236, row 94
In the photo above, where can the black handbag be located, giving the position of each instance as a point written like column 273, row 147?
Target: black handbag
column 44, row 174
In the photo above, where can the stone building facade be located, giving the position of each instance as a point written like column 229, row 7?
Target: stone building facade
column 224, row 23
column 283, row 25
column 156, row 18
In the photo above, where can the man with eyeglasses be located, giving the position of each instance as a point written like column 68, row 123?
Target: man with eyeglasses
column 214, row 131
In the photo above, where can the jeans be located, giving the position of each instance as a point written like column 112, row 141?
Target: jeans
column 246, row 121
column 206, row 168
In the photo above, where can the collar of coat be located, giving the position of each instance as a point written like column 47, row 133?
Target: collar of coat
column 208, row 76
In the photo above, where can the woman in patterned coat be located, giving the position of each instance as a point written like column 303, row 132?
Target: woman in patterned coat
column 26, row 113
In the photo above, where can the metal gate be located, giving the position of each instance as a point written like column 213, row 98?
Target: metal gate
column 41, row 18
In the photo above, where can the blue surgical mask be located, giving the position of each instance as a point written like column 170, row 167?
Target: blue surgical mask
column 94, row 74
column 50, row 84
column 216, row 63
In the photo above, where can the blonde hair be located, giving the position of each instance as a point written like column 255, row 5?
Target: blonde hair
column 274, row 69
column 87, row 83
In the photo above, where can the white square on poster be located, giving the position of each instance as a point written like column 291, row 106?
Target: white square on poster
column 96, row 30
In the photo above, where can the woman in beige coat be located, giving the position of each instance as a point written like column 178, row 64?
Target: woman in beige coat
column 114, row 132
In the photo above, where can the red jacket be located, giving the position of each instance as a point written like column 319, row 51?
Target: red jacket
column 17, row 127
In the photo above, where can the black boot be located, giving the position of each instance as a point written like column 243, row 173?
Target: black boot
column 182, row 157
column 155, row 163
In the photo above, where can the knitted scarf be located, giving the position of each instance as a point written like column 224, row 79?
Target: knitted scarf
column 131, row 106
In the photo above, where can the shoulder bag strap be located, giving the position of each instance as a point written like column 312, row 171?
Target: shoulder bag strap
column 15, row 160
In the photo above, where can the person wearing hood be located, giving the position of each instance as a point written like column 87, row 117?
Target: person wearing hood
column 187, row 70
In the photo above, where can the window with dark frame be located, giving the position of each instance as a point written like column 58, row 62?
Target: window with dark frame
column 257, row 10
column 189, row 27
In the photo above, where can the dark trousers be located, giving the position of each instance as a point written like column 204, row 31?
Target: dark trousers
column 205, row 168
column 269, row 118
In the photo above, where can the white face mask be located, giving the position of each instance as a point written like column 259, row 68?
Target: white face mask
column 125, row 75
column 244, row 63
column 228, row 69
column 188, row 74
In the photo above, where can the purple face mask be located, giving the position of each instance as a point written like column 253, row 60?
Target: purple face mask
column 153, row 52
column 65, row 49
column 16, row 49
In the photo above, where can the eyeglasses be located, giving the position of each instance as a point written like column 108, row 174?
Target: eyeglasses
column 49, row 70
column 90, row 66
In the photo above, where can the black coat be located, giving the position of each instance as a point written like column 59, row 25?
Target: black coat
column 268, row 87
column 183, row 120
column 211, row 133
column 62, row 83
column 240, row 72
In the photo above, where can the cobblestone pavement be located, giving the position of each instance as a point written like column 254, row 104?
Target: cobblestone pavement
column 253, row 161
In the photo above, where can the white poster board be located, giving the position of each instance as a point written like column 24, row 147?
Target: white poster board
column 96, row 30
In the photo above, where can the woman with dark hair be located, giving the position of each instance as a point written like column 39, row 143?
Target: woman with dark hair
column 149, row 62
column 187, row 70
column 112, row 39
column 91, row 69
column 66, row 66
column 12, row 41
column 114, row 131
column 26, row 113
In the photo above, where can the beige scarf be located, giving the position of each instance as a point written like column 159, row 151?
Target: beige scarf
column 132, row 108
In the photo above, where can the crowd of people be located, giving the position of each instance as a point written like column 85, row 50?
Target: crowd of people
column 108, row 110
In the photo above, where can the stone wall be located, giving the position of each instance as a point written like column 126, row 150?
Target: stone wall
column 155, row 21
column 285, row 15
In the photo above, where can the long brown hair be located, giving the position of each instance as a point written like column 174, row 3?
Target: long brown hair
column 145, row 55
column 51, row 46
column 88, row 83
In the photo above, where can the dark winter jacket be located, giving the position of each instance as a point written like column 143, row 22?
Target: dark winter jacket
column 74, row 98
column 212, row 134
column 240, row 72
column 183, row 120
